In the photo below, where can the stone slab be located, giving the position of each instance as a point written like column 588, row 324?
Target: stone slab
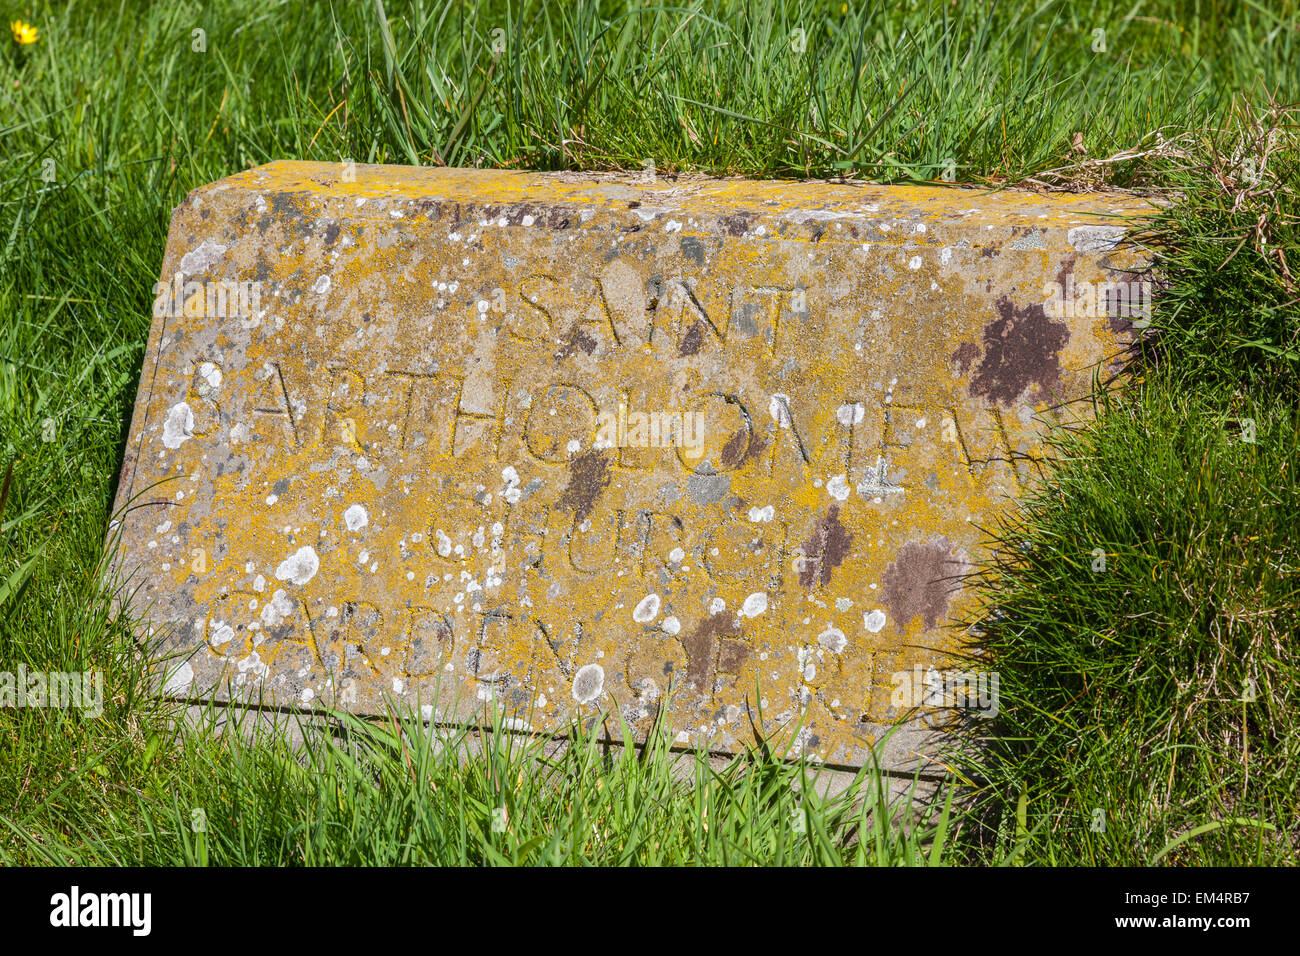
column 387, row 439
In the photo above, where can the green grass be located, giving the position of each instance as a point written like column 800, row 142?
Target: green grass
column 1199, row 528
column 1146, row 604
column 400, row 793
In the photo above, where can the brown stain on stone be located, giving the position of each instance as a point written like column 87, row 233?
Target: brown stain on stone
column 1119, row 325
column 589, row 475
column 577, row 338
column 1067, row 267
column 965, row 356
column 731, row 657
column 921, row 581
column 737, row 224
column 702, row 646
column 1122, row 325
column 733, row 449
column 1022, row 347
column 692, row 340
column 734, row 453
column 825, row 550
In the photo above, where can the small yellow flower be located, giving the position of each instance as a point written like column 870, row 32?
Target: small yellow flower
column 24, row 33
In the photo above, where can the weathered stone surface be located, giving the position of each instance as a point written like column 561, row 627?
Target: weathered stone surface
column 399, row 463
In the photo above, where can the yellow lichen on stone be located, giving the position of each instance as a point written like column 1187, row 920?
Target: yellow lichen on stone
column 569, row 442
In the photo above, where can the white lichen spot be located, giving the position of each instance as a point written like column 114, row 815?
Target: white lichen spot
column 717, row 606
column 355, row 517
column 873, row 621
column 321, row 285
column 511, row 493
column 850, row 414
column 646, row 609
column 178, row 426
column 839, row 488
column 444, row 542
column 779, row 408
column 179, row 681
column 914, row 262
column 277, row 610
column 833, row 640
column 588, row 683
column 211, row 376
column 300, row 567
column 1094, row 238
column 766, row 513
column 672, row 625
column 205, row 255
column 755, row 604
column 221, row 634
